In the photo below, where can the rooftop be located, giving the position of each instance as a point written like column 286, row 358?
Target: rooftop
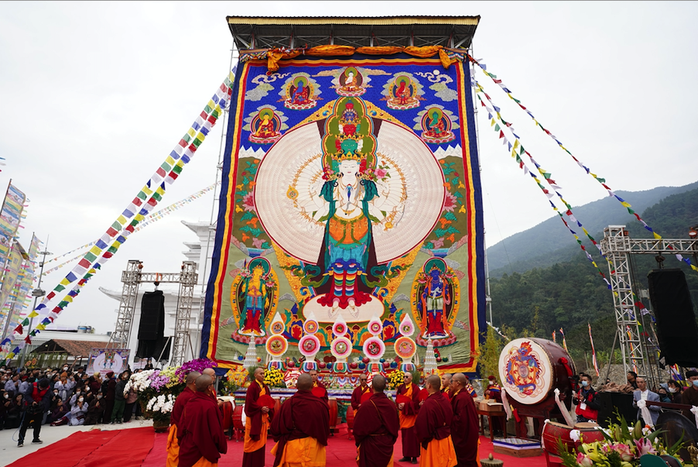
column 263, row 32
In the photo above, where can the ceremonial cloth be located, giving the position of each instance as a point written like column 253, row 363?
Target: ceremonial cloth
column 303, row 415
column 376, row 427
column 320, row 391
column 408, row 417
column 464, row 429
column 201, row 431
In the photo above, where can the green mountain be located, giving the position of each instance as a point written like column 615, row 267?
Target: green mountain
column 571, row 293
column 549, row 242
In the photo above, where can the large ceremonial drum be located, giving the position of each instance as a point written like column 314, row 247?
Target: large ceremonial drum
column 227, row 413
column 238, row 420
column 552, row 432
column 333, row 413
column 530, row 370
column 350, row 418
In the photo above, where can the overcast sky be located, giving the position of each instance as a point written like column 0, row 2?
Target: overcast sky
column 93, row 96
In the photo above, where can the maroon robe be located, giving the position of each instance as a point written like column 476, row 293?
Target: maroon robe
column 376, row 426
column 319, row 387
column 410, row 442
column 179, row 405
column 253, row 411
column 302, row 415
column 434, row 419
column 464, row 429
column 201, row 431
column 356, row 397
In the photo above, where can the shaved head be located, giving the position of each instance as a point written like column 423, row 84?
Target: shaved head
column 378, row 383
column 203, row 382
column 210, row 372
column 434, row 382
column 460, row 379
column 191, row 377
column 305, row 382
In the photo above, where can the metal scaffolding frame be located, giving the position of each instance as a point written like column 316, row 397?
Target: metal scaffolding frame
column 132, row 278
column 618, row 246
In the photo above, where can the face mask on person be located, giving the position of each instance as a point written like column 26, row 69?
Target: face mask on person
column 81, row 399
column 55, row 393
column 695, row 383
column 585, row 383
column 672, row 390
column 7, row 396
column 491, row 383
column 99, row 396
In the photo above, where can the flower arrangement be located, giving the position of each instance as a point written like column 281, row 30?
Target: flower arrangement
column 198, row 364
column 274, row 378
column 395, row 379
column 622, row 447
column 161, row 407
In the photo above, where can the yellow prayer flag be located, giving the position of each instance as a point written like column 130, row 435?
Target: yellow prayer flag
column 121, row 220
column 65, row 281
column 160, row 191
column 211, row 104
column 147, row 190
column 68, row 299
column 40, row 327
column 657, row 236
column 626, row 204
column 170, row 160
column 11, row 355
column 516, row 144
column 33, row 314
column 95, row 250
column 139, row 217
column 201, row 136
column 191, row 132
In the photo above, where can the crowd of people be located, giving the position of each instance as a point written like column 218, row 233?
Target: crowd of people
column 587, row 400
column 63, row 396
column 439, row 424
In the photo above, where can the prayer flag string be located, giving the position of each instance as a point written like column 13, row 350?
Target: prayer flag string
column 599, row 179
column 136, row 211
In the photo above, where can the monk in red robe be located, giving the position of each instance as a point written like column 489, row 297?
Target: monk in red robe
column 408, row 416
column 376, row 427
column 318, row 388
column 257, row 423
column 175, row 416
column 359, row 391
column 446, row 384
column 201, row 441
column 434, row 428
column 464, row 426
column 301, row 428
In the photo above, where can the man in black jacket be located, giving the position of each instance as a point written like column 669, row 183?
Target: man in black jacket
column 37, row 402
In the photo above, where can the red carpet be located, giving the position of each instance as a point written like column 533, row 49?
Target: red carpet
column 143, row 447
column 94, row 448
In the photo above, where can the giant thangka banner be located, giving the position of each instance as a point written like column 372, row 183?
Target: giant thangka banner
column 350, row 192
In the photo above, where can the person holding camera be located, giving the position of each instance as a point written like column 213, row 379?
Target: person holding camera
column 36, row 403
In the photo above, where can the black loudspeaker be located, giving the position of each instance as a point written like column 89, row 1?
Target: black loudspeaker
column 151, row 330
column 676, row 322
column 613, row 404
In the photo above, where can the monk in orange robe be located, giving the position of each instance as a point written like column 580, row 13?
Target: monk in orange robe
column 201, row 441
column 434, row 428
column 257, row 422
column 301, row 428
column 377, row 424
column 175, row 416
column 408, row 416
column 318, row 388
column 464, row 426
